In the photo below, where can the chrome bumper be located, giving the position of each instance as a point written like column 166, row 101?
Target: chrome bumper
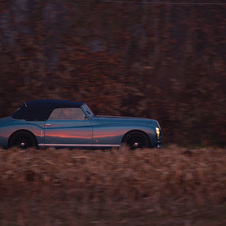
column 159, row 143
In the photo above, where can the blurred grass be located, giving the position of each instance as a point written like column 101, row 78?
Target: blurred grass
column 172, row 186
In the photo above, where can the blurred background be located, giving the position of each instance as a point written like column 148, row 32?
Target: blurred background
column 131, row 58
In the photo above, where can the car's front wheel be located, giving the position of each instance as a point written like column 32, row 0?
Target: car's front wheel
column 23, row 140
column 136, row 139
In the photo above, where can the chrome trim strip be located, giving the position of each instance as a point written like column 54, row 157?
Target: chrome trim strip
column 67, row 145
column 81, row 145
column 106, row 145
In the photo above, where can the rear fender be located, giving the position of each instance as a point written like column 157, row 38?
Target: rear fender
column 36, row 128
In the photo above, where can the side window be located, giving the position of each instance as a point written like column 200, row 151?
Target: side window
column 67, row 113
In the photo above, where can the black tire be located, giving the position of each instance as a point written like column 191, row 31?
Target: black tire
column 22, row 139
column 136, row 139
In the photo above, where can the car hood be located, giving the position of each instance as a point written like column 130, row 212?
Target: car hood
column 122, row 120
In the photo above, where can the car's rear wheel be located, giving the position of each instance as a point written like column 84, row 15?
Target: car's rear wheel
column 136, row 139
column 23, row 140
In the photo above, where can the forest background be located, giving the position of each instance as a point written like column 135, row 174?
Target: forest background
column 132, row 58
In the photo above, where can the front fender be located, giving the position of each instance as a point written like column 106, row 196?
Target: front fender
column 114, row 133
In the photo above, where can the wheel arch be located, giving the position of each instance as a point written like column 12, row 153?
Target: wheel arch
column 21, row 131
column 136, row 130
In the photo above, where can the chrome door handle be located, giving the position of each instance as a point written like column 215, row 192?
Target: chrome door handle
column 48, row 125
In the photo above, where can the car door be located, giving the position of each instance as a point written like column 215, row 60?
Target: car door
column 68, row 127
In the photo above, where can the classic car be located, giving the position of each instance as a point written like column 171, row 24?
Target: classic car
column 60, row 123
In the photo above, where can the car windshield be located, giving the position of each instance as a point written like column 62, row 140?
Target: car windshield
column 87, row 110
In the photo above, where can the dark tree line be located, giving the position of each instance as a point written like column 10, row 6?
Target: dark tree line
column 160, row 61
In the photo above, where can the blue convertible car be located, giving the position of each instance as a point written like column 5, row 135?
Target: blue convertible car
column 60, row 123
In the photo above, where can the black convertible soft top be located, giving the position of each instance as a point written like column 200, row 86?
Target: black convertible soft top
column 40, row 110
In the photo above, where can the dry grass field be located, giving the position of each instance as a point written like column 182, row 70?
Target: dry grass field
column 171, row 186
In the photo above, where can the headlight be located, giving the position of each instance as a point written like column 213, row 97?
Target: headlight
column 157, row 132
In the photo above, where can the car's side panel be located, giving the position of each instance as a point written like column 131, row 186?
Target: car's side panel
column 68, row 133
column 107, row 135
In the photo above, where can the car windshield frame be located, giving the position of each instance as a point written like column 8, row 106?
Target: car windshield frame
column 87, row 111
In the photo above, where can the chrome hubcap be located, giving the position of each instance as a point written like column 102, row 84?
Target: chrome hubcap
column 136, row 144
column 22, row 144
